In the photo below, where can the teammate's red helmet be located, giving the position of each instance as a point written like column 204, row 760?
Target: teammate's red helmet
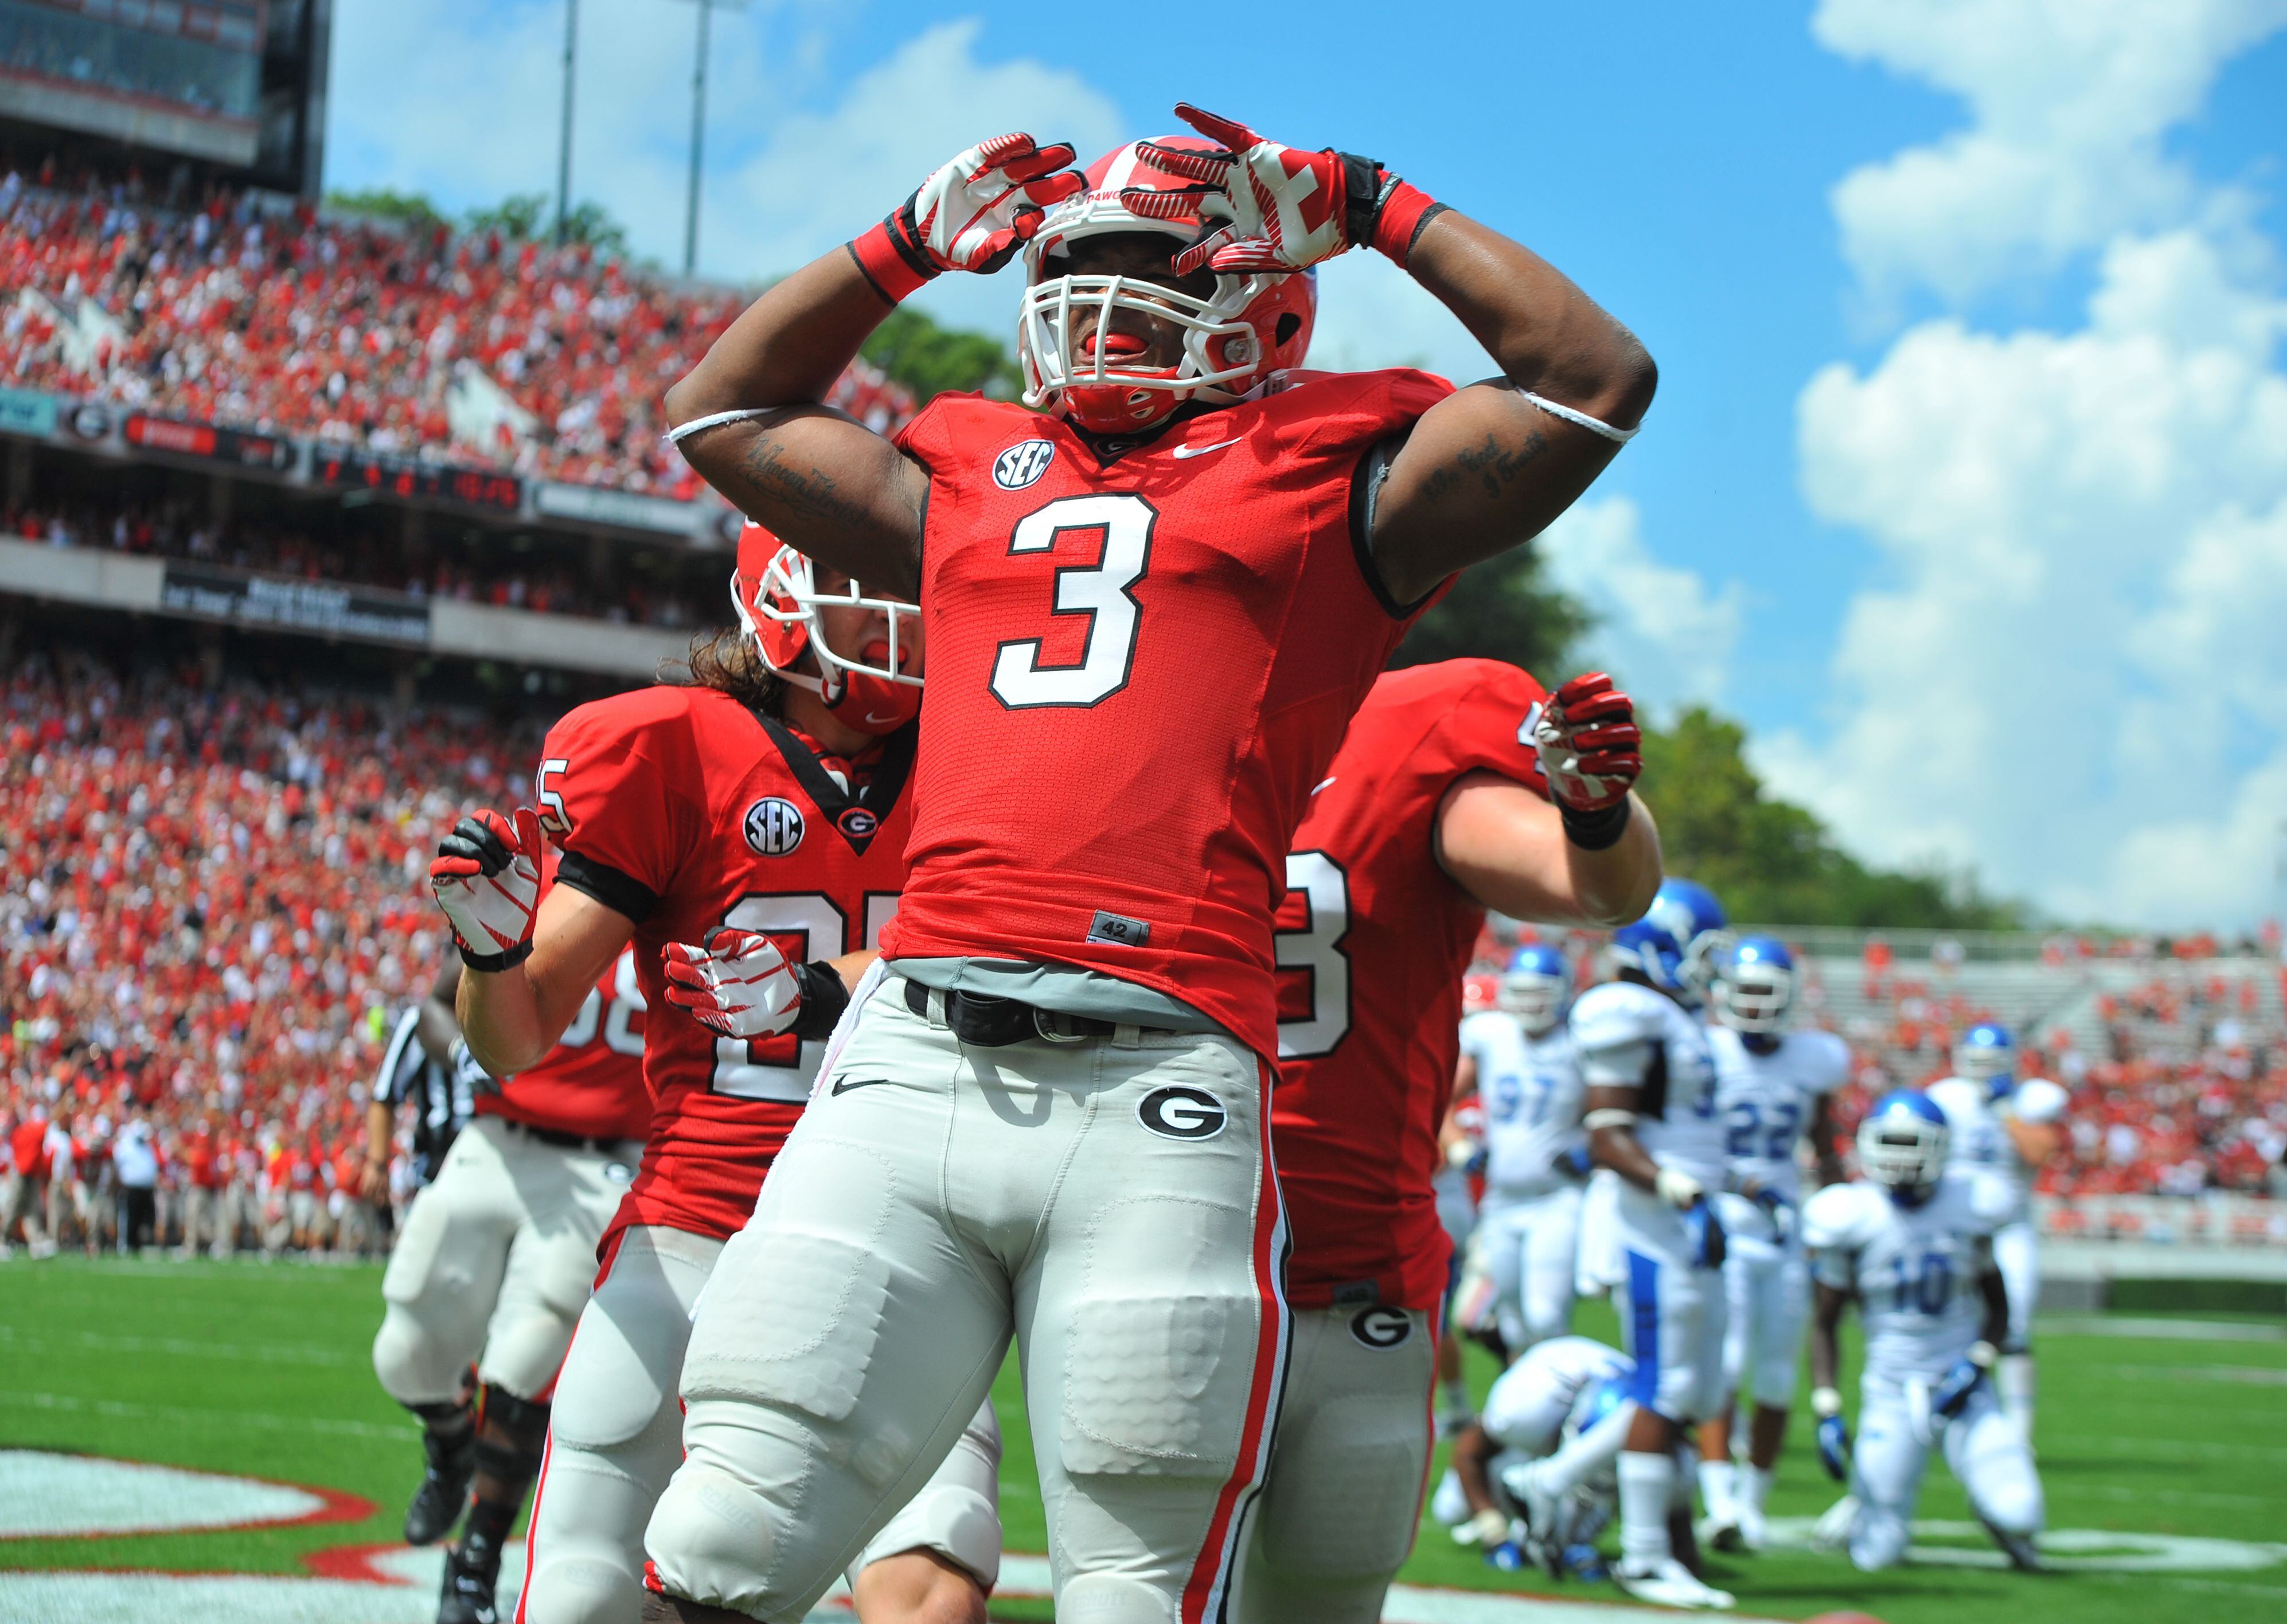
column 776, row 593
column 1252, row 326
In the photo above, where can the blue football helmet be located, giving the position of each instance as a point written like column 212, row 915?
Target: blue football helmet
column 1988, row 1053
column 1754, row 985
column 1902, row 1145
column 1678, row 941
column 1535, row 985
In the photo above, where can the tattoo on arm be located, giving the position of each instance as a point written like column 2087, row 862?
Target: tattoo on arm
column 1494, row 465
column 811, row 493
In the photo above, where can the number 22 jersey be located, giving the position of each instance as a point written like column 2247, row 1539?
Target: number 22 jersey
column 1142, row 655
column 685, row 810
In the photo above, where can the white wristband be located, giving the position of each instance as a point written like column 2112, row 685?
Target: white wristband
column 1594, row 425
column 1609, row 1117
column 715, row 420
column 1825, row 1402
column 1983, row 1354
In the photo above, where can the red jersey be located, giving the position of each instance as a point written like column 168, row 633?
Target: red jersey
column 29, row 1146
column 685, row 810
column 200, row 1161
column 591, row 1084
column 1140, row 658
column 1372, row 944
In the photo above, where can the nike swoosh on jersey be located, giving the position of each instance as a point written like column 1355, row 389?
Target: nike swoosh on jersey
column 1184, row 451
column 843, row 1085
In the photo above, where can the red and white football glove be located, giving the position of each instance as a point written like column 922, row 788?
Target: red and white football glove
column 972, row 214
column 1588, row 744
column 486, row 877
column 1287, row 208
column 738, row 985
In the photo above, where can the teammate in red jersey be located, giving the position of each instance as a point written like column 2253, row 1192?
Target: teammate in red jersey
column 492, row 1267
column 1150, row 612
column 762, row 813
column 1436, row 807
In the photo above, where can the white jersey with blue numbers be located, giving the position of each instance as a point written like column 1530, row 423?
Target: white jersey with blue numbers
column 1529, row 1091
column 1914, row 1270
column 1978, row 1141
column 1765, row 1100
column 1626, row 1036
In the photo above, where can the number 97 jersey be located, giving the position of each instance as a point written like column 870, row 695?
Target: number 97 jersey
column 1142, row 654
column 685, row 811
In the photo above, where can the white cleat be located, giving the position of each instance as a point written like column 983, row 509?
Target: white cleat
column 1754, row 1528
column 1722, row 1534
column 1670, row 1584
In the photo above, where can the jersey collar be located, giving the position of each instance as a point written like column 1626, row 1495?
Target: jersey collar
column 856, row 818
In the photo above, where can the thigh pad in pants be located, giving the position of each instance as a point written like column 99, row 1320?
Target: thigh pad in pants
column 1352, row 1449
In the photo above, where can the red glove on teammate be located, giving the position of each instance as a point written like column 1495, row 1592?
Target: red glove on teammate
column 1288, row 209
column 738, row 985
column 972, row 214
column 1588, row 744
column 487, row 878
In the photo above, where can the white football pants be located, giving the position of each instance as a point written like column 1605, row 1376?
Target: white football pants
column 495, row 1258
column 1336, row 1517
column 1984, row 1448
column 1671, row 1313
column 1108, row 1203
column 2017, row 1254
column 1767, row 1299
column 1524, row 1253
column 615, row 1437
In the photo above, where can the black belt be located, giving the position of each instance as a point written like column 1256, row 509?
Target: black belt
column 984, row 1022
column 562, row 1140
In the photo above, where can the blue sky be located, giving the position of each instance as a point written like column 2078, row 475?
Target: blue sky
column 1919, row 274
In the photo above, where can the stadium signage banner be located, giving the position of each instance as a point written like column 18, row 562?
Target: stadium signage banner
column 596, row 504
column 209, row 443
column 28, row 411
column 296, row 606
column 408, row 480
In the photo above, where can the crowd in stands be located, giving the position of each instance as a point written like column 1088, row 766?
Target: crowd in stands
column 487, row 576
column 210, row 913
column 357, row 331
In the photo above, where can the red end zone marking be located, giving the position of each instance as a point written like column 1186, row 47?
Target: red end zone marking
column 334, row 1505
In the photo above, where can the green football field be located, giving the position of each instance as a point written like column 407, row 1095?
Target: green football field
column 2163, row 1446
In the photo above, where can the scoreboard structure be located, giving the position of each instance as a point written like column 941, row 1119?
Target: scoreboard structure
column 235, row 89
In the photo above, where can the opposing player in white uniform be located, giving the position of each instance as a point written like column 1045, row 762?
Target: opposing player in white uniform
column 1772, row 1091
column 1914, row 1245
column 1997, row 1125
column 1541, row 1456
column 1659, row 1145
column 1517, row 1285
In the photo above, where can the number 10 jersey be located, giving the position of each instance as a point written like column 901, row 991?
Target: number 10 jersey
column 1142, row 654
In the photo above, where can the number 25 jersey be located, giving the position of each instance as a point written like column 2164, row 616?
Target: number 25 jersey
column 1141, row 657
column 685, row 810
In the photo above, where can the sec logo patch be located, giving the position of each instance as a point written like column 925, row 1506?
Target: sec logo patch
column 1382, row 1328
column 773, row 826
column 1023, row 464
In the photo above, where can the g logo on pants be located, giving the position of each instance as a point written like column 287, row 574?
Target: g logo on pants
column 1180, row 1113
column 1382, row 1328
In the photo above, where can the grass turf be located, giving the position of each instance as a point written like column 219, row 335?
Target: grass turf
column 263, row 1370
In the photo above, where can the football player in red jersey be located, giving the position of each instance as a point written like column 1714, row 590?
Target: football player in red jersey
column 761, row 813
column 1151, row 612
column 492, row 1267
column 1438, row 806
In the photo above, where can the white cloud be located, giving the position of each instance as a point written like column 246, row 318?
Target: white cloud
column 462, row 100
column 1663, row 634
column 2067, row 676
column 2068, row 102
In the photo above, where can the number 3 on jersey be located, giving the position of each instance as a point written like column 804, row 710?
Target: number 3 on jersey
column 1316, row 949
column 1098, row 591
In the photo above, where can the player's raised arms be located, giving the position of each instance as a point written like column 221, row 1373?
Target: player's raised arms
column 1482, row 471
